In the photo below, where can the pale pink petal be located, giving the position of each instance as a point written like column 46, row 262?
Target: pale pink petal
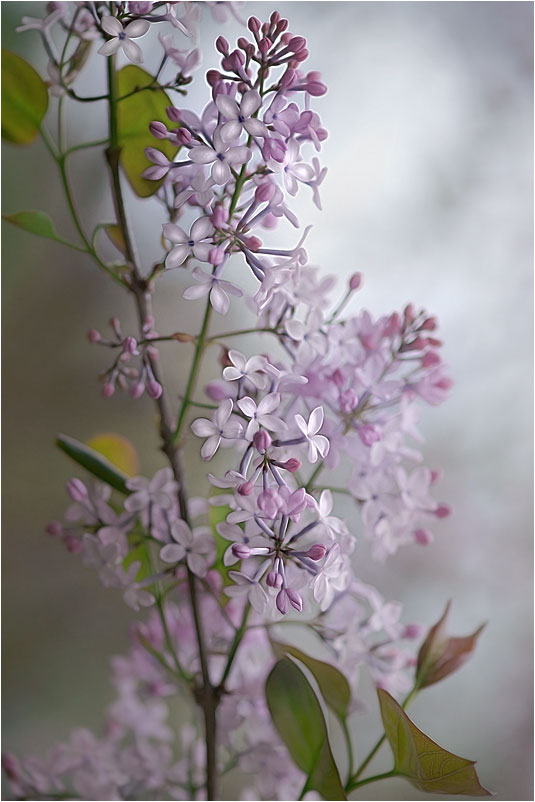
column 302, row 424
column 219, row 300
column 304, row 172
column 136, row 28
column 269, row 403
column 111, row 25
column 223, row 412
column 251, row 101
column 201, row 229
column 132, row 51
column 172, row 553
column 210, row 446
column 177, row 256
column 202, row 154
column 109, row 48
column 315, row 422
column 203, row 427
column 198, row 564
column 174, row 233
column 220, row 172
column 227, row 107
column 255, row 127
column 196, row 292
column 247, row 406
column 239, row 155
column 201, row 251
column 230, row 131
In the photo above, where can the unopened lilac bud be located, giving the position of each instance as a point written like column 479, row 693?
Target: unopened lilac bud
column 413, row 631
column 237, row 60
column 442, row 511
column 274, row 579
column 54, row 528
column 409, row 315
column 154, row 389
column 264, row 192
column 73, row 544
column 286, row 38
column 429, row 324
column 214, row 580
column 295, row 599
column 274, row 17
column 265, row 45
column 297, row 43
column 252, row 243
column 243, row 43
column 355, row 281
column 436, row 475
column 108, row 389
column 261, row 441
column 77, row 490
column 183, row 136
column 158, row 130
column 288, row 78
column 430, row 359
column 217, row 391
column 137, row 389
column 315, row 88
column 282, row 24
column 292, row 465
column 130, row 345
column 213, row 77
column 368, row 434
column 241, row 551
column 11, row 766
column 316, row 552
column 222, row 45
column 245, row 489
column 93, row 336
column 253, row 23
column 423, row 536
column 282, row 601
column 216, row 256
column 219, row 216
column 173, row 114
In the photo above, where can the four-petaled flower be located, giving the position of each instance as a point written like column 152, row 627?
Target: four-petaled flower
column 217, row 287
column 197, row 547
column 240, row 117
column 317, row 443
column 221, row 157
column 261, row 414
column 122, row 37
column 192, row 244
column 220, row 426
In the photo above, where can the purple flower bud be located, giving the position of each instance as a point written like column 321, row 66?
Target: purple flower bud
column 282, row 602
column 93, row 336
column 264, row 192
column 436, row 475
column 442, row 511
column 253, row 23
column 241, row 551
column 316, row 552
column 222, row 45
column 368, row 434
column 355, row 281
column 297, row 43
column 274, row 579
column 265, row 45
column 219, row 216
column 237, row 60
column 158, row 129
column 317, row 88
column 291, row 465
column 217, row 391
column 216, row 256
column 423, row 536
column 288, row 79
column 245, row 489
column 213, row 77
column 77, row 490
column 11, row 766
column 173, row 114
column 108, row 389
column 295, row 599
column 274, row 17
column 54, row 528
column 73, row 544
column 154, row 389
column 130, row 345
column 413, row 631
column 137, row 389
column 183, row 136
column 261, row 441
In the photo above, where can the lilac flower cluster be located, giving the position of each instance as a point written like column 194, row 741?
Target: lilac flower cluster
column 332, row 393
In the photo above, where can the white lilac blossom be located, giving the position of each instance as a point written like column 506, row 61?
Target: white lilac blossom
column 327, row 388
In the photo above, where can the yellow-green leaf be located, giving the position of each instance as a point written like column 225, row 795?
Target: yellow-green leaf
column 92, row 461
column 423, row 762
column 297, row 715
column 40, row 224
column 115, row 236
column 333, row 685
column 118, row 450
column 24, row 99
column 134, row 115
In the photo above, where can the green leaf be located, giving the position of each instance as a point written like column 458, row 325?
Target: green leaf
column 216, row 515
column 117, row 450
column 40, row 224
column 93, row 462
column 134, row 115
column 299, row 720
column 141, row 555
column 333, row 685
column 24, row 99
column 420, row 760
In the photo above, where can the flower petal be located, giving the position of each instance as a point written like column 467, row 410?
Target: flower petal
column 136, row 28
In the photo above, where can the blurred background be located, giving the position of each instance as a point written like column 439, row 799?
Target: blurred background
column 429, row 194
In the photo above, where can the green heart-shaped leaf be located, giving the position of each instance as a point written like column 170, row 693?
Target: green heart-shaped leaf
column 297, row 715
column 423, row 762
column 24, row 99
column 333, row 685
column 134, row 115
